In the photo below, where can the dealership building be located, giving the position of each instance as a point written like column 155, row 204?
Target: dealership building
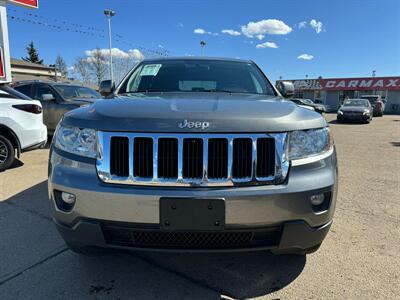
column 332, row 91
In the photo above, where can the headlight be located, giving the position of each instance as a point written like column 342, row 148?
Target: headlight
column 340, row 112
column 77, row 141
column 306, row 143
column 366, row 112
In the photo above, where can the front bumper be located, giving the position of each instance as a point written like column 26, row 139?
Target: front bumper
column 283, row 213
column 294, row 235
column 353, row 117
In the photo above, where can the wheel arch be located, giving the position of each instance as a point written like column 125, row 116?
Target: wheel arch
column 10, row 134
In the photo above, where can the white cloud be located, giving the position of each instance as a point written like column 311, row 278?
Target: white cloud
column 317, row 25
column 231, row 32
column 202, row 31
column 267, row 45
column 261, row 28
column 117, row 53
column 136, row 54
column 305, row 56
column 302, row 24
column 199, row 31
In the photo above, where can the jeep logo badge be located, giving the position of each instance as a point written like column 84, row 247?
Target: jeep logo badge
column 194, row 124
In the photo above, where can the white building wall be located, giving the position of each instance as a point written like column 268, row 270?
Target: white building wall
column 392, row 102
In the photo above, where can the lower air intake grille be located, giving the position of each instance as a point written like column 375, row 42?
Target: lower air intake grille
column 145, row 238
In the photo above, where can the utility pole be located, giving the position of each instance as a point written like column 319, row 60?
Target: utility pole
column 55, row 71
column 109, row 14
column 202, row 45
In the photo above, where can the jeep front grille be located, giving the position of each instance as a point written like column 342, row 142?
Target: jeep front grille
column 191, row 159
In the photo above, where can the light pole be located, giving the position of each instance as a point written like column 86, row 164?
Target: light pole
column 202, row 45
column 109, row 14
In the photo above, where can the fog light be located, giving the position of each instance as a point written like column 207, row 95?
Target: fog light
column 317, row 199
column 68, row 198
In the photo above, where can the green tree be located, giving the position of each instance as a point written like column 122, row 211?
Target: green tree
column 61, row 66
column 33, row 55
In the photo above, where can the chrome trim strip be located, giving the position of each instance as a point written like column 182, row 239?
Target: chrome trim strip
column 205, row 160
column 103, row 161
column 155, row 158
column 180, row 160
column 311, row 159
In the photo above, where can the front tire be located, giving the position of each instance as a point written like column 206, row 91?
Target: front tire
column 7, row 153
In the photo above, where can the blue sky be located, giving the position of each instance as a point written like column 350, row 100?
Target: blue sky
column 355, row 37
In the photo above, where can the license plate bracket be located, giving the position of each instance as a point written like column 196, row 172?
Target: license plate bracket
column 192, row 214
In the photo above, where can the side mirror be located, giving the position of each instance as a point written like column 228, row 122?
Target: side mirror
column 47, row 97
column 106, row 88
column 286, row 88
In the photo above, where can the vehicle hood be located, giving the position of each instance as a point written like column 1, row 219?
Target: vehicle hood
column 352, row 109
column 224, row 112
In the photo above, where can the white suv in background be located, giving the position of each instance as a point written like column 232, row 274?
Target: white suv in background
column 21, row 125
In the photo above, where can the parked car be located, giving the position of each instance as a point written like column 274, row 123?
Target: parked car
column 307, row 103
column 194, row 154
column 355, row 110
column 377, row 103
column 300, row 104
column 21, row 125
column 56, row 98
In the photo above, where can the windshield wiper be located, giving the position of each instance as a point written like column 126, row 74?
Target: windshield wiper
column 218, row 91
column 145, row 92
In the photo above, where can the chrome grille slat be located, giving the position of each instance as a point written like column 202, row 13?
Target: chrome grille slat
column 198, row 172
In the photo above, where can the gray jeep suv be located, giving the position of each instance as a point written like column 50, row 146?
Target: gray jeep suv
column 194, row 154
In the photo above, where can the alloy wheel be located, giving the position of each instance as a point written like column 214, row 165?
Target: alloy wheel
column 3, row 152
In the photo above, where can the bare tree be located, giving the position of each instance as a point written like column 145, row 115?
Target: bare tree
column 122, row 65
column 93, row 68
column 98, row 64
column 61, row 66
column 82, row 70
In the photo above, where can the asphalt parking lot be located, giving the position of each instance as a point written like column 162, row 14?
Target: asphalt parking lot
column 360, row 259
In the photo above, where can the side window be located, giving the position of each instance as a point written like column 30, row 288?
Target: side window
column 44, row 93
column 25, row 89
column 4, row 94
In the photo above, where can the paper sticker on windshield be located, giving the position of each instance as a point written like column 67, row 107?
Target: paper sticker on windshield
column 150, row 70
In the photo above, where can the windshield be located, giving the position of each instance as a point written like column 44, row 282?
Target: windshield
column 372, row 99
column 356, row 102
column 308, row 101
column 73, row 91
column 197, row 76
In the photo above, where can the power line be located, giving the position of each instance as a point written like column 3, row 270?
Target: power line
column 76, row 28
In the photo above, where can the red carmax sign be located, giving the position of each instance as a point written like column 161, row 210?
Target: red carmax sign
column 1, row 63
column 26, row 3
column 371, row 83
